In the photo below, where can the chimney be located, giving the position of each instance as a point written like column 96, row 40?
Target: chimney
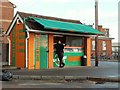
column 100, row 28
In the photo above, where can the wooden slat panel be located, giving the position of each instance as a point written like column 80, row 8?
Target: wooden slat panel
column 31, row 51
column 50, row 54
column 37, row 64
column 88, row 51
column 37, row 51
column 74, row 58
column 20, row 50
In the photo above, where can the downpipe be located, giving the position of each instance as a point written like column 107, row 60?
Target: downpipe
column 9, row 50
column 27, row 48
column 26, row 41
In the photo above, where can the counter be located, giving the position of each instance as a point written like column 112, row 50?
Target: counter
column 72, row 56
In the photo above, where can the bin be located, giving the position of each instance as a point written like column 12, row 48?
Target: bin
column 84, row 60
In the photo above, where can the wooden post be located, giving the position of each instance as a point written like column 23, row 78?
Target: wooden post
column 51, row 51
column 88, row 51
column 31, row 51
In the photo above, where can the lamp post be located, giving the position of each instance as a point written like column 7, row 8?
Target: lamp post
column 96, row 38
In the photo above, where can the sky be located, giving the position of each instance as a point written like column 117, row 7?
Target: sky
column 83, row 10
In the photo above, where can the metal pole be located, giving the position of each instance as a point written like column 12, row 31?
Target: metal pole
column 96, row 38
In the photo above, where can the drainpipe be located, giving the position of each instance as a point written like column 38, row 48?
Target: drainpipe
column 26, row 40
column 9, row 50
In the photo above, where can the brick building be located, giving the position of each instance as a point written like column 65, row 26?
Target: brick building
column 115, row 50
column 104, row 44
column 6, row 16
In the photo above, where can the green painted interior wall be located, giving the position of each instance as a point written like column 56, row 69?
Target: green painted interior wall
column 65, row 58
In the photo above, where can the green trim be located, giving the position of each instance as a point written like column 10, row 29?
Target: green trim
column 74, row 53
column 21, row 31
column 13, row 42
column 72, row 63
column 22, row 37
column 43, row 53
column 21, row 44
column 38, row 48
column 21, row 50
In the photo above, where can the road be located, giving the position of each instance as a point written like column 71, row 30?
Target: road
column 105, row 69
column 106, row 64
column 58, row 84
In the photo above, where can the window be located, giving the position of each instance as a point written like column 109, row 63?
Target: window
column 93, row 45
column 74, row 41
column 104, row 45
column 106, row 33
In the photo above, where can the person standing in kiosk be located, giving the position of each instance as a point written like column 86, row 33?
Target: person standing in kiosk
column 60, row 53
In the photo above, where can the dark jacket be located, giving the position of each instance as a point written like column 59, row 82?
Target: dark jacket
column 59, row 48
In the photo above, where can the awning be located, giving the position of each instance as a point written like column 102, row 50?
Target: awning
column 66, row 26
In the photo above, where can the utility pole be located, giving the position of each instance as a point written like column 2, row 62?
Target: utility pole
column 96, row 38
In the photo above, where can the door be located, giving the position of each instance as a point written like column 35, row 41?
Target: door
column 43, row 51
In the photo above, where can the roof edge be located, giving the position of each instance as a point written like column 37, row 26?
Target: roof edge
column 13, row 22
column 24, row 14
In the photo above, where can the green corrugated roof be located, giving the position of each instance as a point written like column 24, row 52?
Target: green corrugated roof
column 66, row 26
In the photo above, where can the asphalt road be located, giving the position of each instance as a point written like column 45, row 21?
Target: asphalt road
column 105, row 69
column 106, row 64
column 59, row 84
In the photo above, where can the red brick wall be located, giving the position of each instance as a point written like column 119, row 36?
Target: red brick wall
column 109, row 47
column 5, row 26
column 7, row 13
column 100, row 43
column 100, row 47
column 6, row 3
column 101, row 29
column 6, row 16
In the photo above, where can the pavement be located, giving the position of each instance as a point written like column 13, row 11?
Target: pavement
column 106, row 71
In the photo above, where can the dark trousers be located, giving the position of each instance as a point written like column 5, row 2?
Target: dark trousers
column 60, row 56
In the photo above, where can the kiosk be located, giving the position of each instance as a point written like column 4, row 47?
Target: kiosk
column 32, row 37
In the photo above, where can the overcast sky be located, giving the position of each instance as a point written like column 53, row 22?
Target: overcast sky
column 82, row 10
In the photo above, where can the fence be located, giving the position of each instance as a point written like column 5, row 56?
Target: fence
column 114, row 56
